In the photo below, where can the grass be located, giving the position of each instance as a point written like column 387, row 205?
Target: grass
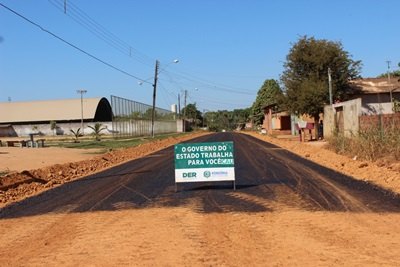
column 370, row 144
column 107, row 144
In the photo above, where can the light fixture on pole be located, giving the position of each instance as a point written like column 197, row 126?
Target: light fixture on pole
column 81, row 92
column 153, row 114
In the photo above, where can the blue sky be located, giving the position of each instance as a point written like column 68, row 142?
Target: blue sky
column 226, row 48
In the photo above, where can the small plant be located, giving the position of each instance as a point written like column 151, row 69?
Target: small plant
column 396, row 105
column 76, row 134
column 97, row 128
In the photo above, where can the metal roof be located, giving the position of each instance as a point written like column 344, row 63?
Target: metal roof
column 49, row 110
column 377, row 85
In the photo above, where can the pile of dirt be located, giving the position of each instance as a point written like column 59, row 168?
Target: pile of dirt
column 20, row 185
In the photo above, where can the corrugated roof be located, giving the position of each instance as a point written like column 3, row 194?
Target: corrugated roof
column 49, row 110
column 377, row 85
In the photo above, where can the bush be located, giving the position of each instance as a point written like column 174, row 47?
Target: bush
column 370, row 144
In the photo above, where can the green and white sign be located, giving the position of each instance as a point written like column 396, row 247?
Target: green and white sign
column 204, row 162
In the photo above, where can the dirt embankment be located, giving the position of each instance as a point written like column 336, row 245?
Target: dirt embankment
column 20, row 185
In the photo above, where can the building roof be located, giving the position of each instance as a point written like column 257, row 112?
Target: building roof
column 95, row 109
column 376, row 85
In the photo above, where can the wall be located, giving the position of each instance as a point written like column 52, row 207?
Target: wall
column 131, row 127
column 61, row 129
column 343, row 116
column 137, row 127
column 377, row 108
column 375, row 121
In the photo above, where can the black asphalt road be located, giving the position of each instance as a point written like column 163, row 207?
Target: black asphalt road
column 268, row 178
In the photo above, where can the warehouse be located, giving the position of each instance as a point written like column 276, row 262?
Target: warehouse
column 23, row 118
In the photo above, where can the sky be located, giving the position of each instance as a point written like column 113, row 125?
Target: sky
column 226, row 48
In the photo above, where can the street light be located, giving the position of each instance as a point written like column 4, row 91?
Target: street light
column 81, row 92
column 156, row 72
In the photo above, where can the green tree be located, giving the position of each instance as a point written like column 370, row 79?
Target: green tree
column 226, row 120
column 136, row 115
column 240, row 117
column 97, row 129
column 269, row 94
column 210, row 118
column 395, row 73
column 306, row 75
column 192, row 114
column 148, row 114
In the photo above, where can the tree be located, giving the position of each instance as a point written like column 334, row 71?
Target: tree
column 148, row 114
column 240, row 117
column 226, row 120
column 306, row 75
column 269, row 94
column 97, row 129
column 192, row 114
column 395, row 73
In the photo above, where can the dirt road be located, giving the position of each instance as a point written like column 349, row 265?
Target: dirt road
column 286, row 211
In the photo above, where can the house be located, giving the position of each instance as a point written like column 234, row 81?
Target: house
column 377, row 94
column 283, row 123
column 372, row 101
column 275, row 119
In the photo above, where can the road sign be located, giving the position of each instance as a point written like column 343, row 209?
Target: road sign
column 204, row 162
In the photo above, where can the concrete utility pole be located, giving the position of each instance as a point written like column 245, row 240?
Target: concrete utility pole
column 184, row 112
column 390, row 87
column 82, row 92
column 153, row 114
column 330, row 87
column 156, row 72
column 179, row 106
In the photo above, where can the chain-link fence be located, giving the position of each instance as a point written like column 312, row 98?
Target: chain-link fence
column 131, row 118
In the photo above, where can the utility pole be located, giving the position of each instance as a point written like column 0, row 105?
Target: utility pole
column 179, row 106
column 204, row 112
column 153, row 114
column 184, row 112
column 82, row 92
column 330, row 87
column 390, row 87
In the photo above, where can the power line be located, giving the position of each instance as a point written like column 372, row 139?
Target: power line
column 167, row 95
column 74, row 46
column 83, row 19
column 102, row 33
column 211, row 85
